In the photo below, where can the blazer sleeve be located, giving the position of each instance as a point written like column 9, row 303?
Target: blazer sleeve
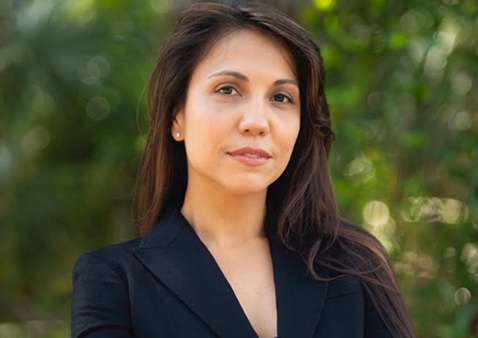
column 374, row 325
column 100, row 302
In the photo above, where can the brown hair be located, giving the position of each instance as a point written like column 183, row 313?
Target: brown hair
column 306, row 217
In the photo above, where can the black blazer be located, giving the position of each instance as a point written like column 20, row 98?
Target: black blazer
column 167, row 284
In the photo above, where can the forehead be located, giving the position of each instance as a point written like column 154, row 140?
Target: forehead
column 240, row 46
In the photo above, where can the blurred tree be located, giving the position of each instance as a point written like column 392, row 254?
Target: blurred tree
column 71, row 78
column 403, row 93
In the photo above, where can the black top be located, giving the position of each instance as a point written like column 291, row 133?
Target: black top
column 167, row 284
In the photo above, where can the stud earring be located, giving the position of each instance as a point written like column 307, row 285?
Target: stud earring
column 178, row 134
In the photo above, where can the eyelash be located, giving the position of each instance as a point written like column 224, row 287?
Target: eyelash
column 230, row 91
column 283, row 96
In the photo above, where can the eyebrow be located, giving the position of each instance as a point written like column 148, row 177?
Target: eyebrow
column 289, row 81
column 246, row 79
column 230, row 73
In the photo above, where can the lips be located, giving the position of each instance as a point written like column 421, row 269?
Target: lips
column 250, row 156
column 251, row 152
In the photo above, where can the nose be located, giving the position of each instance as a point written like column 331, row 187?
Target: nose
column 255, row 119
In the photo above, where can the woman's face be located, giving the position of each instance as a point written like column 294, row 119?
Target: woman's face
column 241, row 116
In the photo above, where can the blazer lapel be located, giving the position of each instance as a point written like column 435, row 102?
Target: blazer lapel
column 175, row 255
column 299, row 298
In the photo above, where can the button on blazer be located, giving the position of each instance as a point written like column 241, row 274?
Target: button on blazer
column 167, row 284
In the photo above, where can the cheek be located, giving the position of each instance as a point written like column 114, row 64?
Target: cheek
column 202, row 140
column 204, row 131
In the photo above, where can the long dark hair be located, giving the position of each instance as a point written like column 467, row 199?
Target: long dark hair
column 301, row 206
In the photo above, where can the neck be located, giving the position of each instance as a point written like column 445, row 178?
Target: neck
column 222, row 218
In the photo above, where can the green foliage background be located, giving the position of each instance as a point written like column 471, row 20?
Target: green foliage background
column 403, row 90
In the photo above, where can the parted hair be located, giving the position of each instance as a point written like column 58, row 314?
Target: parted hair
column 302, row 211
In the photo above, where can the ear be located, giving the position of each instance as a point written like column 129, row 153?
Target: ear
column 177, row 129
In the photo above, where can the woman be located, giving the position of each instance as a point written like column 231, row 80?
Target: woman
column 241, row 234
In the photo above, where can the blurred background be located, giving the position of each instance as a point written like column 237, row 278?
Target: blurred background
column 403, row 89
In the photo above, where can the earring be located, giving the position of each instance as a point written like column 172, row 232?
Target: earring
column 178, row 134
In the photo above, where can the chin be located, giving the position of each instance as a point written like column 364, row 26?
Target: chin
column 248, row 187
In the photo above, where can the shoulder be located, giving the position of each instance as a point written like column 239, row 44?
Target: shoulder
column 348, row 310
column 360, row 256
column 343, row 285
column 111, row 252
column 122, row 259
column 123, row 248
column 100, row 289
column 111, row 258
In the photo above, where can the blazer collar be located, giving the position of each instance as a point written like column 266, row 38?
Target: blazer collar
column 176, row 256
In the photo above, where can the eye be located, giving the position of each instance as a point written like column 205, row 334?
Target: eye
column 227, row 90
column 282, row 98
